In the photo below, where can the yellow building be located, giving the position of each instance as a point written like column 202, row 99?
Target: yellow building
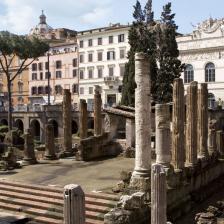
column 20, row 86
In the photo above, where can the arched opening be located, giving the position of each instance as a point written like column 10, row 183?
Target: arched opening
column 19, row 125
column 35, row 129
column 4, row 122
column 188, row 74
column 210, row 72
column 55, row 125
column 91, row 124
column 74, row 127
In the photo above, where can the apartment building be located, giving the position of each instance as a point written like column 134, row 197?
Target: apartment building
column 102, row 58
column 62, row 62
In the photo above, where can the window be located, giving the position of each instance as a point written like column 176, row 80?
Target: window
column 111, row 71
column 90, row 73
column 40, row 66
column 111, row 55
column 41, row 75
column 58, row 64
column 81, row 74
column 90, row 90
column 81, row 58
column 58, row 89
column 46, row 75
column 81, row 90
column 34, row 67
column 34, row 90
column 74, row 73
column 47, row 89
column 100, row 56
column 20, row 87
column 188, row 74
column 122, row 53
column 34, row 76
column 120, row 38
column 81, row 44
column 100, row 41
column 90, row 42
column 75, row 62
column 46, row 65
column 58, row 74
column 210, row 72
column 40, row 90
column 75, row 88
column 90, row 57
column 111, row 39
column 100, row 72
column 122, row 70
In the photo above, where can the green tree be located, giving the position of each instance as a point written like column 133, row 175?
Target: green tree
column 170, row 66
column 14, row 47
column 141, row 39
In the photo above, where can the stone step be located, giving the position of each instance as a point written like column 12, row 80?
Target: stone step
column 107, row 196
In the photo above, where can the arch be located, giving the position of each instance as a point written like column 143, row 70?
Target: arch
column 55, row 125
column 211, row 100
column 188, row 74
column 4, row 122
column 35, row 129
column 90, row 124
column 74, row 127
column 19, row 125
column 210, row 72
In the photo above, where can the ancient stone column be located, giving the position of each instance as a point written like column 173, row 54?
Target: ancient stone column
column 191, row 124
column 67, row 122
column 74, row 205
column 163, row 136
column 220, row 142
column 83, row 116
column 178, row 149
column 203, row 121
column 97, row 112
column 142, row 117
column 158, row 195
column 49, row 143
column 130, row 132
column 212, row 147
column 29, row 153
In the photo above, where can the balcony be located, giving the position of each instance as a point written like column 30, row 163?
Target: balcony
column 110, row 80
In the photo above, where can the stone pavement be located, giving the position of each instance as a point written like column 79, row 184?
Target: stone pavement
column 92, row 176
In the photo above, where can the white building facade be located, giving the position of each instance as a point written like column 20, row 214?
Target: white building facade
column 203, row 53
column 102, row 58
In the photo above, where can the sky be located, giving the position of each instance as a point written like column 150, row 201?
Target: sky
column 19, row 16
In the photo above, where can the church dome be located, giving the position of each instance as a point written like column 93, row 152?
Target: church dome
column 42, row 28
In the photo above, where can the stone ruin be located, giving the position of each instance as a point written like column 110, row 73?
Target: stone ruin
column 187, row 155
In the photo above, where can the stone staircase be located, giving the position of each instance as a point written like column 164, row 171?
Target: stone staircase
column 44, row 205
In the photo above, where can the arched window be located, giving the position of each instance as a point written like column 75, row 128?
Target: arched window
column 188, row 74
column 58, row 89
column 210, row 72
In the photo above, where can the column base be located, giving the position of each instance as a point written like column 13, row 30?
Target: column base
column 26, row 162
column 50, row 157
column 141, row 181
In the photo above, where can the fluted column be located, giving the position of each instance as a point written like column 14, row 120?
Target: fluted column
column 142, row 117
column 67, row 122
column 158, row 195
column 178, row 149
column 97, row 112
column 83, row 120
column 163, row 136
column 203, row 121
column 29, row 153
column 49, row 143
column 191, row 126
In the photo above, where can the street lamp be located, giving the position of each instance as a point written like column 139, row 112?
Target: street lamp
column 48, row 78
